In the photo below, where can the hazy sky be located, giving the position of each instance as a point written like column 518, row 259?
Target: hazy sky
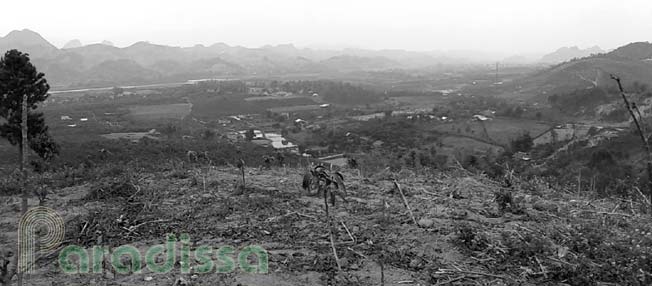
column 508, row 26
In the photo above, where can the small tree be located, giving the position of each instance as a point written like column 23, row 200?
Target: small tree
column 117, row 90
column 329, row 185
column 523, row 143
column 249, row 135
column 22, row 87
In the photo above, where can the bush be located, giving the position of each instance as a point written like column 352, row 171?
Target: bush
column 523, row 143
column 470, row 238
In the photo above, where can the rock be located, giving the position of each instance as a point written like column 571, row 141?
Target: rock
column 425, row 222
column 149, row 278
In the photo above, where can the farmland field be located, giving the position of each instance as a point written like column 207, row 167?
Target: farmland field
column 421, row 101
column 458, row 143
column 132, row 136
column 265, row 98
column 163, row 111
column 234, row 105
column 501, row 130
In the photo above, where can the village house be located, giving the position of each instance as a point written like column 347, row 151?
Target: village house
column 257, row 91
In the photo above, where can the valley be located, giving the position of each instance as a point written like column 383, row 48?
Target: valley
column 349, row 167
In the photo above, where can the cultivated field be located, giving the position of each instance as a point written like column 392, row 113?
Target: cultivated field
column 163, row 111
column 210, row 108
column 500, row 130
column 420, row 101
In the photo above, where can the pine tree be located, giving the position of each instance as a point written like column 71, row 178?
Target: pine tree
column 18, row 79
column 21, row 88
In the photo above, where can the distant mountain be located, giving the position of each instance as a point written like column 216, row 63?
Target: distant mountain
column 123, row 71
column 97, row 53
column 351, row 63
column 27, row 41
column 72, row 44
column 568, row 53
column 104, row 64
column 107, row 43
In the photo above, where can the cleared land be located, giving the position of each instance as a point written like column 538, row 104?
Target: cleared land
column 462, row 234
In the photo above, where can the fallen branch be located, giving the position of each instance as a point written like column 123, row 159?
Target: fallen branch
column 357, row 253
column 337, row 260
column 303, row 215
column 475, row 273
column 134, row 227
column 405, row 202
column 451, row 280
column 597, row 212
column 645, row 199
column 348, row 232
column 430, row 193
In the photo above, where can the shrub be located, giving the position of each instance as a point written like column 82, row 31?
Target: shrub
column 469, row 238
column 523, row 143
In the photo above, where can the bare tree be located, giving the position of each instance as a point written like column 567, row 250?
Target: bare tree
column 646, row 145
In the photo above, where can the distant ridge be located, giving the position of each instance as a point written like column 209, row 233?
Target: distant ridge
column 72, row 44
column 567, row 53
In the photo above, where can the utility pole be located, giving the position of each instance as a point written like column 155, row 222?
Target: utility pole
column 496, row 80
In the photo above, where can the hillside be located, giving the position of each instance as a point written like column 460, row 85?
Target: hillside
column 470, row 229
column 589, row 73
column 581, row 85
column 634, row 51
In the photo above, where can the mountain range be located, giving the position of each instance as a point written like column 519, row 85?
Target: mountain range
column 77, row 65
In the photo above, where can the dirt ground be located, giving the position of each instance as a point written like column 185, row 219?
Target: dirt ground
column 376, row 239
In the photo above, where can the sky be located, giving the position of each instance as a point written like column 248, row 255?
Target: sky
column 504, row 26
